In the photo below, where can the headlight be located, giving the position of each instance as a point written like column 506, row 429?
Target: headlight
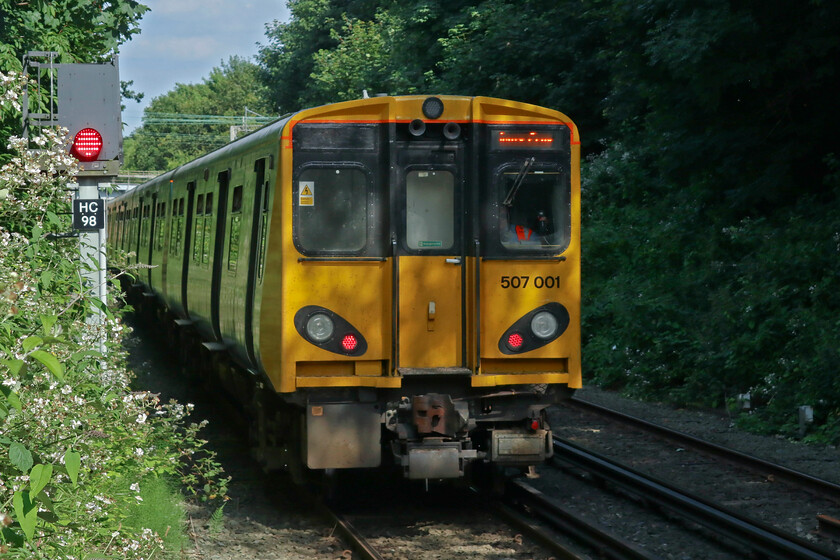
column 319, row 327
column 544, row 325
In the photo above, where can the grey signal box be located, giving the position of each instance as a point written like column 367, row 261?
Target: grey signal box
column 89, row 97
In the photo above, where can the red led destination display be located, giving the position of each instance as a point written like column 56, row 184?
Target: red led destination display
column 524, row 140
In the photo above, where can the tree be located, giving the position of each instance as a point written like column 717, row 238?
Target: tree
column 78, row 30
column 710, row 183
column 289, row 59
column 183, row 123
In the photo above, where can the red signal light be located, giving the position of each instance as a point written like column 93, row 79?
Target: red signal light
column 349, row 342
column 87, row 144
column 515, row 341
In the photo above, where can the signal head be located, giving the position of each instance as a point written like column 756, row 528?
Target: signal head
column 87, row 145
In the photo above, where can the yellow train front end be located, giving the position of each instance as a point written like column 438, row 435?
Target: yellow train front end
column 424, row 304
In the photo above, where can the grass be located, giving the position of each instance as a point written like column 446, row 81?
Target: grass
column 162, row 511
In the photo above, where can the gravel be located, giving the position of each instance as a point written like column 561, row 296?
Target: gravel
column 262, row 519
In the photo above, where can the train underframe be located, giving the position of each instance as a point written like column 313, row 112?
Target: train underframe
column 423, row 429
column 433, row 427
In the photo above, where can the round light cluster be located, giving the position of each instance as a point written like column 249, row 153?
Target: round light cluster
column 349, row 342
column 320, row 327
column 87, row 144
column 515, row 341
column 432, row 107
column 544, row 325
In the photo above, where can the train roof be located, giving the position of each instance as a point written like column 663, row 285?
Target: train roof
column 272, row 132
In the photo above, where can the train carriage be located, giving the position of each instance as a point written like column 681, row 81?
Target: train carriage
column 387, row 279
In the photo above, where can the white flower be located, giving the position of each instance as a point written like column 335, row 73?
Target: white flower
column 141, row 418
column 139, row 452
column 135, row 487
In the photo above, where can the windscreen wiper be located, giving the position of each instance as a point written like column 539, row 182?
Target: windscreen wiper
column 520, row 177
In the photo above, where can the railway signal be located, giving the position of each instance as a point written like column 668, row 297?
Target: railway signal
column 84, row 99
column 89, row 107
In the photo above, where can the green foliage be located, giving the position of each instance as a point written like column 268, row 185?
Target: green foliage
column 72, row 433
column 288, row 60
column 78, row 30
column 166, row 142
column 711, row 199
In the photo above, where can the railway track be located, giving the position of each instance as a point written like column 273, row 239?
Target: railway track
column 448, row 522
column 523, row 503
column 358, row 543
column 759, row 538
column 817, row 486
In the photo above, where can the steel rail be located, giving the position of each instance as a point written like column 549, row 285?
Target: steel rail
column 823, row 488
column 524, row 523
column 761, row 538
column 567, row 522
column 353, row 536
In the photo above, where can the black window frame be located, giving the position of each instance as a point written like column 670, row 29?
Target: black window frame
column 370, row 226
column 499, row 160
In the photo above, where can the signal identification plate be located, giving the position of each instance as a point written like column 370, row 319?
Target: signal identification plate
column 88, row 214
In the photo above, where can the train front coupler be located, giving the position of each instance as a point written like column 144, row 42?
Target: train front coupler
column 432, row 436
column 436, row 436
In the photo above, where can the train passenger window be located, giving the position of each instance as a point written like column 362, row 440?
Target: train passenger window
column 236, row 205
column 235, row 227
column 208, row 222
column 144, row 230
column 263, row 230
column 332, row 209
column 160, row 224
column 199, row 229
column 430, row 209
column 534, row 210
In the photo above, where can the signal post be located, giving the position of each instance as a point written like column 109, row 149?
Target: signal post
column 88, row 106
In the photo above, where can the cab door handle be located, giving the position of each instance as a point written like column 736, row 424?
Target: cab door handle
column 456, row 260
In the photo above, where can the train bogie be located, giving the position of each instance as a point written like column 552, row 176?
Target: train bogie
column 395, row 278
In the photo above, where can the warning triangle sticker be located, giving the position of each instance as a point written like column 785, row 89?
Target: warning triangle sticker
column 306, row 191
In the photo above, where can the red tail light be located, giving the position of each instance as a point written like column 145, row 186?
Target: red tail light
column 515, row 341
column 349, row 342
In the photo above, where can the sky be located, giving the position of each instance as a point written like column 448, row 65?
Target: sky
column 182, row 40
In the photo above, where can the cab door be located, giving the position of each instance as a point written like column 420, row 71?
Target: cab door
column 429, row 255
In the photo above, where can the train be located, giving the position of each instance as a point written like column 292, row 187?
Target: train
column 386, row 282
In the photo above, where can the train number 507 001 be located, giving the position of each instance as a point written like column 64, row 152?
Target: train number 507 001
column 536, row 281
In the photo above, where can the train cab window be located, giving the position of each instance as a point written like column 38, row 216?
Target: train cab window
column 332, row 210
column 430, row 209
column 534, row 209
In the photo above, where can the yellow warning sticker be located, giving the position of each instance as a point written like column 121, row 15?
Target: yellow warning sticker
column 306, row 193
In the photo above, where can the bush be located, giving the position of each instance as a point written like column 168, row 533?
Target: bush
column 78, row 449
